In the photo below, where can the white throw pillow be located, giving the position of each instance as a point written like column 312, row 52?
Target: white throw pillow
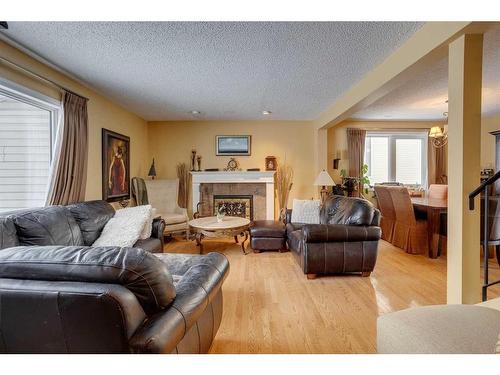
column 148, row 227
column 125, row 228
column 139, row 210
column 306, row 211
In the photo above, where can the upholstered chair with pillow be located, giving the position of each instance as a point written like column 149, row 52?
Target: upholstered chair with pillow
column 163, row 195
column 339, row 237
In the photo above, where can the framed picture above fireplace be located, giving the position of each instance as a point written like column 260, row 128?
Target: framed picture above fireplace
column 231, row 145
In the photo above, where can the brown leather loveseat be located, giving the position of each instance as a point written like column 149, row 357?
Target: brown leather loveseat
column 345, row 241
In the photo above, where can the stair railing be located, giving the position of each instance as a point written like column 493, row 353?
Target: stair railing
column 486, row 228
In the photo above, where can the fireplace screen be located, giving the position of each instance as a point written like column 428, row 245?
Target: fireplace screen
column 235, row 205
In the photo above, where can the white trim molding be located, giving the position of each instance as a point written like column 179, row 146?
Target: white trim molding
column 219, row 177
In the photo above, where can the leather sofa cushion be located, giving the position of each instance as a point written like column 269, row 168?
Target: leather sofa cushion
column 8, row 236
column 47, row 226
column 139, row 271
column 91, row 217
column 347, row 211
column 267, row 228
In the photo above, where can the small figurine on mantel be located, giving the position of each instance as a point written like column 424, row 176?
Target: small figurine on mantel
column 198, row 160
column 193, row 159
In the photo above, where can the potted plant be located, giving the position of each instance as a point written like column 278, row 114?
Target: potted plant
column 350, row 184
column 364, row 181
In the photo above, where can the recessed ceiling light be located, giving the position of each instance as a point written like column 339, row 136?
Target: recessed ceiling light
column 266, row 113
column 195, row 112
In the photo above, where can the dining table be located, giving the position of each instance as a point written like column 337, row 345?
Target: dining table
column 433, row 207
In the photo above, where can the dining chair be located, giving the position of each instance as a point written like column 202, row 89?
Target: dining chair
column 409, row 233
column 440, row 191
column 437, row 191
column 387, row 210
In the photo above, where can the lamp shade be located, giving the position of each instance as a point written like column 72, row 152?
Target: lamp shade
column 324, row 179
column 435, row 132
column 152, row 170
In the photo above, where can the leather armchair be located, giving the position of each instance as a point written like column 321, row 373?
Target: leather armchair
column 345, row 241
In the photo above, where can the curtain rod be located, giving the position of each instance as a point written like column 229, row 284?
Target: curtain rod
column 39, row 77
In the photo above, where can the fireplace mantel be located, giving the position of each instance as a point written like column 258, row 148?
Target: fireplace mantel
column 219, row 177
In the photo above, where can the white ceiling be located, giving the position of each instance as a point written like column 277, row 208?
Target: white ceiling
column 424, row 97
column 226, row 70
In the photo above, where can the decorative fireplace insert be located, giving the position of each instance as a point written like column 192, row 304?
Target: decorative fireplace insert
column 235, row 205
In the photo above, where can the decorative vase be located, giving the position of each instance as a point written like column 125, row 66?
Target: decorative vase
column 193, row 159
column 198, row 161
column 220, row 215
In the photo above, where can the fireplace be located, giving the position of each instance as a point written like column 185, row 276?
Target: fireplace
column 234, row 205
column 259, row 185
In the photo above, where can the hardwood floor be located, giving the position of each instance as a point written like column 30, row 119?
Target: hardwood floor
column 271, row 307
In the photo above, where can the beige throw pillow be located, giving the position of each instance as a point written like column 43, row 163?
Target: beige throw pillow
column 306, row 211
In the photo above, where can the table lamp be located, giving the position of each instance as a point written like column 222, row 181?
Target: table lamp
column 323, row 180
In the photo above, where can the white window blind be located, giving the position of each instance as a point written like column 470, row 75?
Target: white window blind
column 25, row 151
column 397, row 157
column 409, row 161
column 377, row 158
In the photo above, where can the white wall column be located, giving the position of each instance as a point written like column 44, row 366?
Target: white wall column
column 464, row 148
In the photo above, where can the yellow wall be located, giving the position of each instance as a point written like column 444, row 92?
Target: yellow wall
column 102, row 114
column 171, row 143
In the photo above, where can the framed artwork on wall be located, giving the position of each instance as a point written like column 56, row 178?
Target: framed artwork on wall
column 233, row 145
column 271, row 163
column 115, row 166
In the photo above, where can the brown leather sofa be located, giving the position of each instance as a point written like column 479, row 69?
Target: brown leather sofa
column 59, row 295
column 345, row 241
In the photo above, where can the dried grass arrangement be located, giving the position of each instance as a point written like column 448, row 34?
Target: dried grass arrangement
column 183, row 176
column 284, row 183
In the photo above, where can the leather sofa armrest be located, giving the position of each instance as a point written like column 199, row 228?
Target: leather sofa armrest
column 195, row 290
column 340, row 233
column 158, row 229
column 292, row 227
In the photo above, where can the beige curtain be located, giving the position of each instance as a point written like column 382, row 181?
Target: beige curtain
column 356, row 151
column 437, row 164
column 69, row 172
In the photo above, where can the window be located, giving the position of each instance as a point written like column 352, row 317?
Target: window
column 397, row 157
column 27, row 129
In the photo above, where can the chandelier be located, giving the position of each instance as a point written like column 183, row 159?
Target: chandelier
column 438, row 136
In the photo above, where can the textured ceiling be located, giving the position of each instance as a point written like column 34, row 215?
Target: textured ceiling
column 226, row 70
column 424, row 97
